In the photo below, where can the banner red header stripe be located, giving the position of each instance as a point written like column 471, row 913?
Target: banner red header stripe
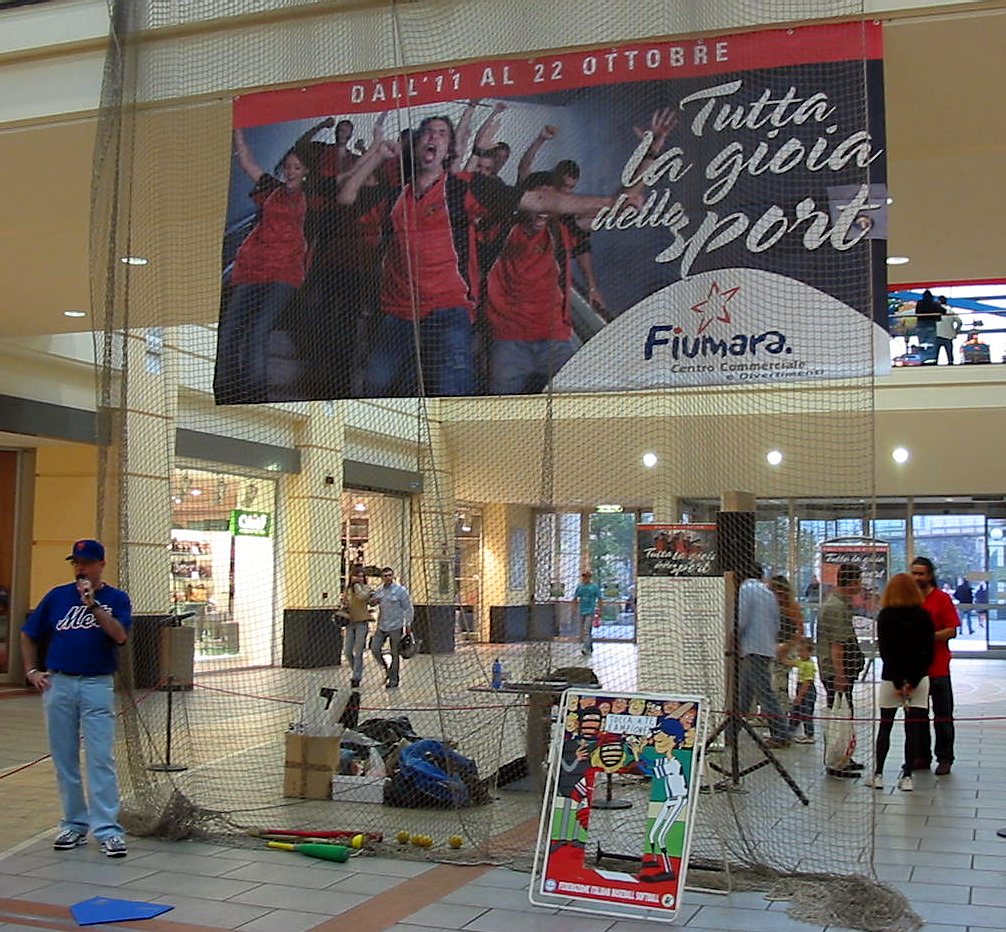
column 638, row 61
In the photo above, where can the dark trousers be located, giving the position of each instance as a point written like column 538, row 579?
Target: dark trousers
column 941, row 698
column 802, row 712
column 830, row 693
column 915, row 721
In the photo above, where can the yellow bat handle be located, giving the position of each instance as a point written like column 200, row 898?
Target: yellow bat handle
column 286, row 846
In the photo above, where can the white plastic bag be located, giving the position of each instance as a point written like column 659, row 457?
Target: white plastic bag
column 839, row 735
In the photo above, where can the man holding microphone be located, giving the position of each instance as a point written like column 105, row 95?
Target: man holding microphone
column 85, row 622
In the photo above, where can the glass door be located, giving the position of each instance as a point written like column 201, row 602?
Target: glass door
column 612, row 549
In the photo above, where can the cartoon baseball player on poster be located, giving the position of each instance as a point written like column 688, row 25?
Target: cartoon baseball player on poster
column 664, row 761
column 641, row 843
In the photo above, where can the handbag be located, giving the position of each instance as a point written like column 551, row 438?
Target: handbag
column 839, row 735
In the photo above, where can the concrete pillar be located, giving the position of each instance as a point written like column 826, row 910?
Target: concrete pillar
column 138, row 463
column 432, row 577
column 313, row 528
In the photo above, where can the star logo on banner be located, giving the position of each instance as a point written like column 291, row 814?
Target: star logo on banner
column 714, row 305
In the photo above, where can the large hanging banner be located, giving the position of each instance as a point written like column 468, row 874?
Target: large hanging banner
column 620, row 848
column 664, row 213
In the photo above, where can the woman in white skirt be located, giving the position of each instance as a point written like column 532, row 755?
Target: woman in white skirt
column 905, row 642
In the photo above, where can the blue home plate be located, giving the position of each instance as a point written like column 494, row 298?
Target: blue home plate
column 101, row 909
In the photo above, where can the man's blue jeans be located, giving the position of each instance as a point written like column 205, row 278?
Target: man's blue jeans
column 756, row 683
column 445, row 350
column 78, row 706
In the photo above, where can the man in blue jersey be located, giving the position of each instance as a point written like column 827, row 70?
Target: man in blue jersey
column 83, row 624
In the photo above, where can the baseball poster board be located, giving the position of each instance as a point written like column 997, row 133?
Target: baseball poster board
column 620, row 803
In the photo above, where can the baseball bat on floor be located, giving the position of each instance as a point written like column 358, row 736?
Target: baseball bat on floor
column 326, row 852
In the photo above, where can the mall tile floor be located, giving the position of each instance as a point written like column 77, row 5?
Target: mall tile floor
column 937, row 845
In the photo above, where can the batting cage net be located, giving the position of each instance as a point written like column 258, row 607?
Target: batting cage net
column 457, row 354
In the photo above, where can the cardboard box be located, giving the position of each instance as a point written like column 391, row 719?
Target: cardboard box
column 310, row 764
column 362, row 789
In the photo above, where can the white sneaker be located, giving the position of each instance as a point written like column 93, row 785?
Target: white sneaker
column 68, row 839
column 114, row 846
column 803, row 739
column 876, row 781
column 905, row 784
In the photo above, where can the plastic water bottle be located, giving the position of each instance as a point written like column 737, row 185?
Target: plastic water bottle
column 497, row 680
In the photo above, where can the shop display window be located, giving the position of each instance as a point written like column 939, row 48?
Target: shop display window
column 221, row 564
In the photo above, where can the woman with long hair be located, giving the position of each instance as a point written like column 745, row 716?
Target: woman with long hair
column 905, row 642
column 357, row 598
column 790, row 634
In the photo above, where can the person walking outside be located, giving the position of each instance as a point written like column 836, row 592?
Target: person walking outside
column 85, row 621
column 395, row 613
column 588, row 603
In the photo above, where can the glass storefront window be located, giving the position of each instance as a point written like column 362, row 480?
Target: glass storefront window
column 221, row 563
column 375, row 533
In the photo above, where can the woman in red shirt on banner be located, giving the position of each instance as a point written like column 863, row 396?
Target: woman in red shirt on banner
column 941, row 695
column 268, row 269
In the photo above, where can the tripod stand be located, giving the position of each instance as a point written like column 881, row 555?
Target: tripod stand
column 735, row 722
column 166, row 766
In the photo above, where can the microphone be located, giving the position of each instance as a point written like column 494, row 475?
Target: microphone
column 82, row 578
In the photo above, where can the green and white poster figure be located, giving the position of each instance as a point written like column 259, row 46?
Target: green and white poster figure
column 668, row 764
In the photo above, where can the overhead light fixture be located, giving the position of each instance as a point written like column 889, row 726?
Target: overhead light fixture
column 774, row 457
column 134, row 260
column 359, row 506
column 195, row 491
column 900, row 455
column 890, row 200
column 649, row 460
column 75, row 313
column 898, row 260
column 466, row 528
column 176, row 499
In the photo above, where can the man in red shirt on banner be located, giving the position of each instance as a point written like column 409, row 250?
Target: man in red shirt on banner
column 430, row 273
column 528, row 299
column 941, row 694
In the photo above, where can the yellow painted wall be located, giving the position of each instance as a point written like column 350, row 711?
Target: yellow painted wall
column 66, row 508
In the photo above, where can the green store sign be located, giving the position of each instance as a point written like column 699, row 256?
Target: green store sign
column 251, row 523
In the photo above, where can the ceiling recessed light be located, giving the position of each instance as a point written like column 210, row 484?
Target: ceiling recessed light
column 774, row 457
column 649, row 460
column 900, row 455
column 195, row 491
column 359, row 506
column 898, row 260
column 134, row 260
column 74, row 313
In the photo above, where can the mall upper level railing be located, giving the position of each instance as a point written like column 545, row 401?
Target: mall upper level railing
column 975, row 347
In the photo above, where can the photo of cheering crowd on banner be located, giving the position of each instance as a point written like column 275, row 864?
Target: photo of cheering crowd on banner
column 676, row 550
column 671, row 212
column 631, row 850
